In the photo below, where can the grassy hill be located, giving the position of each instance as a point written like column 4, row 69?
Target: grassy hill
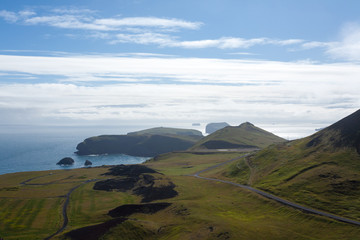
column 322, row 170
column 150, row 142
column 244, row 136
column 168, row 131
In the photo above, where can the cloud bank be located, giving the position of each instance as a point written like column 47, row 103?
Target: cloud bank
column 131, row 89
column 348, row 47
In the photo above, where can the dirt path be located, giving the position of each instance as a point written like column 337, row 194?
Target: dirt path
column 251, row 167
column 30, row 179
column 270, row 196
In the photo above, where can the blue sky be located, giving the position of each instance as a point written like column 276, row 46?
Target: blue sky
column 288, row 63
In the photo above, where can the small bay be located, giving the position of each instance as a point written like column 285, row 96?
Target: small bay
column 29, row 148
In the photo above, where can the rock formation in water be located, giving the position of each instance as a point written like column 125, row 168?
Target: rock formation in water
column 66, row 161
column 88, row 163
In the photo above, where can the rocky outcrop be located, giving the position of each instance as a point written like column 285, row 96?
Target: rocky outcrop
column 135, row 178
column 88, row 163
column 129, row 209
column 66, row 161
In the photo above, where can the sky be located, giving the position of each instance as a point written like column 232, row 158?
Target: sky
column 288, row 66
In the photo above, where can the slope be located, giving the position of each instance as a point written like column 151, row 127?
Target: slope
column 322, row 170
column 168, row 131
column 244, row 136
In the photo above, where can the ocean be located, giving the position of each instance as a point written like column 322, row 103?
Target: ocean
column 35, row 148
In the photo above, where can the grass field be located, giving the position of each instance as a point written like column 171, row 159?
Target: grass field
column 33, row 210
column 89, row 207
column 208, row 210
column 202, row 210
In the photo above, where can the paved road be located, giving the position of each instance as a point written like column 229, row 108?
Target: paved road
column 67, row 200
column 64, row 210
column 270, row 196
column 30, row 179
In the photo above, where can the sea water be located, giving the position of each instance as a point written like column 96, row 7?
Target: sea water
column 34, row 148
column 29, row 148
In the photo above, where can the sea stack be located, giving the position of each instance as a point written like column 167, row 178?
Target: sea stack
column 66, row 161
column 88, row 163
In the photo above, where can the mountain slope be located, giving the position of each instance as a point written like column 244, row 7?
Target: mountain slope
column 244, row 136
column 168, row 131
column 322, row 170
column 185, row 134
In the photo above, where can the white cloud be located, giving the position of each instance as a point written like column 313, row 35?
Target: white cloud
column 68, row 22
column 286, row 42
column 26, row 13
column 166, row 40
column 348, row 47
column 148, row 22
column 243, row 53
column 85, row 19
column 180, row 89
column 208, row 71
column 144, row 38
column 9, row 16
column 82, row 11
column 223, row 43
column 135, row 30
column 316, row 44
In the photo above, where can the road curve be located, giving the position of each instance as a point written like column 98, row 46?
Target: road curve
column 273, row 197
column 64, row 210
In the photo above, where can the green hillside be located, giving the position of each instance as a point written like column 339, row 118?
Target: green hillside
column 244, row 136
column 321, row 171
column 168, row 131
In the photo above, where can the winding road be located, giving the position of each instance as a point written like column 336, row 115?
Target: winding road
column 270, row 196
column 64, row 210
column 66, row 203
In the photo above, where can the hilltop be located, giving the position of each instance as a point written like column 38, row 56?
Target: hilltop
column 148, row 143
column 322, row 170
column 168, row 131
column 246, row 135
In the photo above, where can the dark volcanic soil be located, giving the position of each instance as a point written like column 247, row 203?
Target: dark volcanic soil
column 129, row 170
column 128, row 209
column 150, row 193
column 94, row 232
column 122, row 184
column 134, row 178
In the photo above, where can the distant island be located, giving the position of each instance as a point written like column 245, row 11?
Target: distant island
column 213, row 127
column 145, row 143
